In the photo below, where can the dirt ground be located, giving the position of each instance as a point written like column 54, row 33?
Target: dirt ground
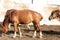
column 51, row 32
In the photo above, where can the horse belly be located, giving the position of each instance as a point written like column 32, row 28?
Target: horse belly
column 26, row 19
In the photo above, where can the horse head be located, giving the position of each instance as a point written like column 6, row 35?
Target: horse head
column 54, row 15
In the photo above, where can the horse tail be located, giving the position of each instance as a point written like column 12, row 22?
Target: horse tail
column 41, row 18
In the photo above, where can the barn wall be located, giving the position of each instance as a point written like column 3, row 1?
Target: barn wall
column 42, row 6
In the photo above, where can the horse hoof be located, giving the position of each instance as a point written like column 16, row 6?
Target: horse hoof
column 14, row 36
column 34, row 36
column 41, row 36
column 21, row 36
column 3, row 34
column 29, row 28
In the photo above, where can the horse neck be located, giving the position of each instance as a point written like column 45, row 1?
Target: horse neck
column 6, row 22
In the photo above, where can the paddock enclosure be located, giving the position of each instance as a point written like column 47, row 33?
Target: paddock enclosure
column 50, row 29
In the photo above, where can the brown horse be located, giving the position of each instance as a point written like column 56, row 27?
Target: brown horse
column 55, row 15
column 7, row 20
column 22, row 17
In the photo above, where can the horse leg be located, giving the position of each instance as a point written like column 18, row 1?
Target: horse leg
column 38, row 25
column 34, row 35
column 9, row 26
column 20, row 33
column 27, row 26
column 15, row 30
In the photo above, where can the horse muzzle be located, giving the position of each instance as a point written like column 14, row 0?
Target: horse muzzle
column 49, row 18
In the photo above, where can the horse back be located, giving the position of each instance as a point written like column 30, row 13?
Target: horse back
column 25, row 16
